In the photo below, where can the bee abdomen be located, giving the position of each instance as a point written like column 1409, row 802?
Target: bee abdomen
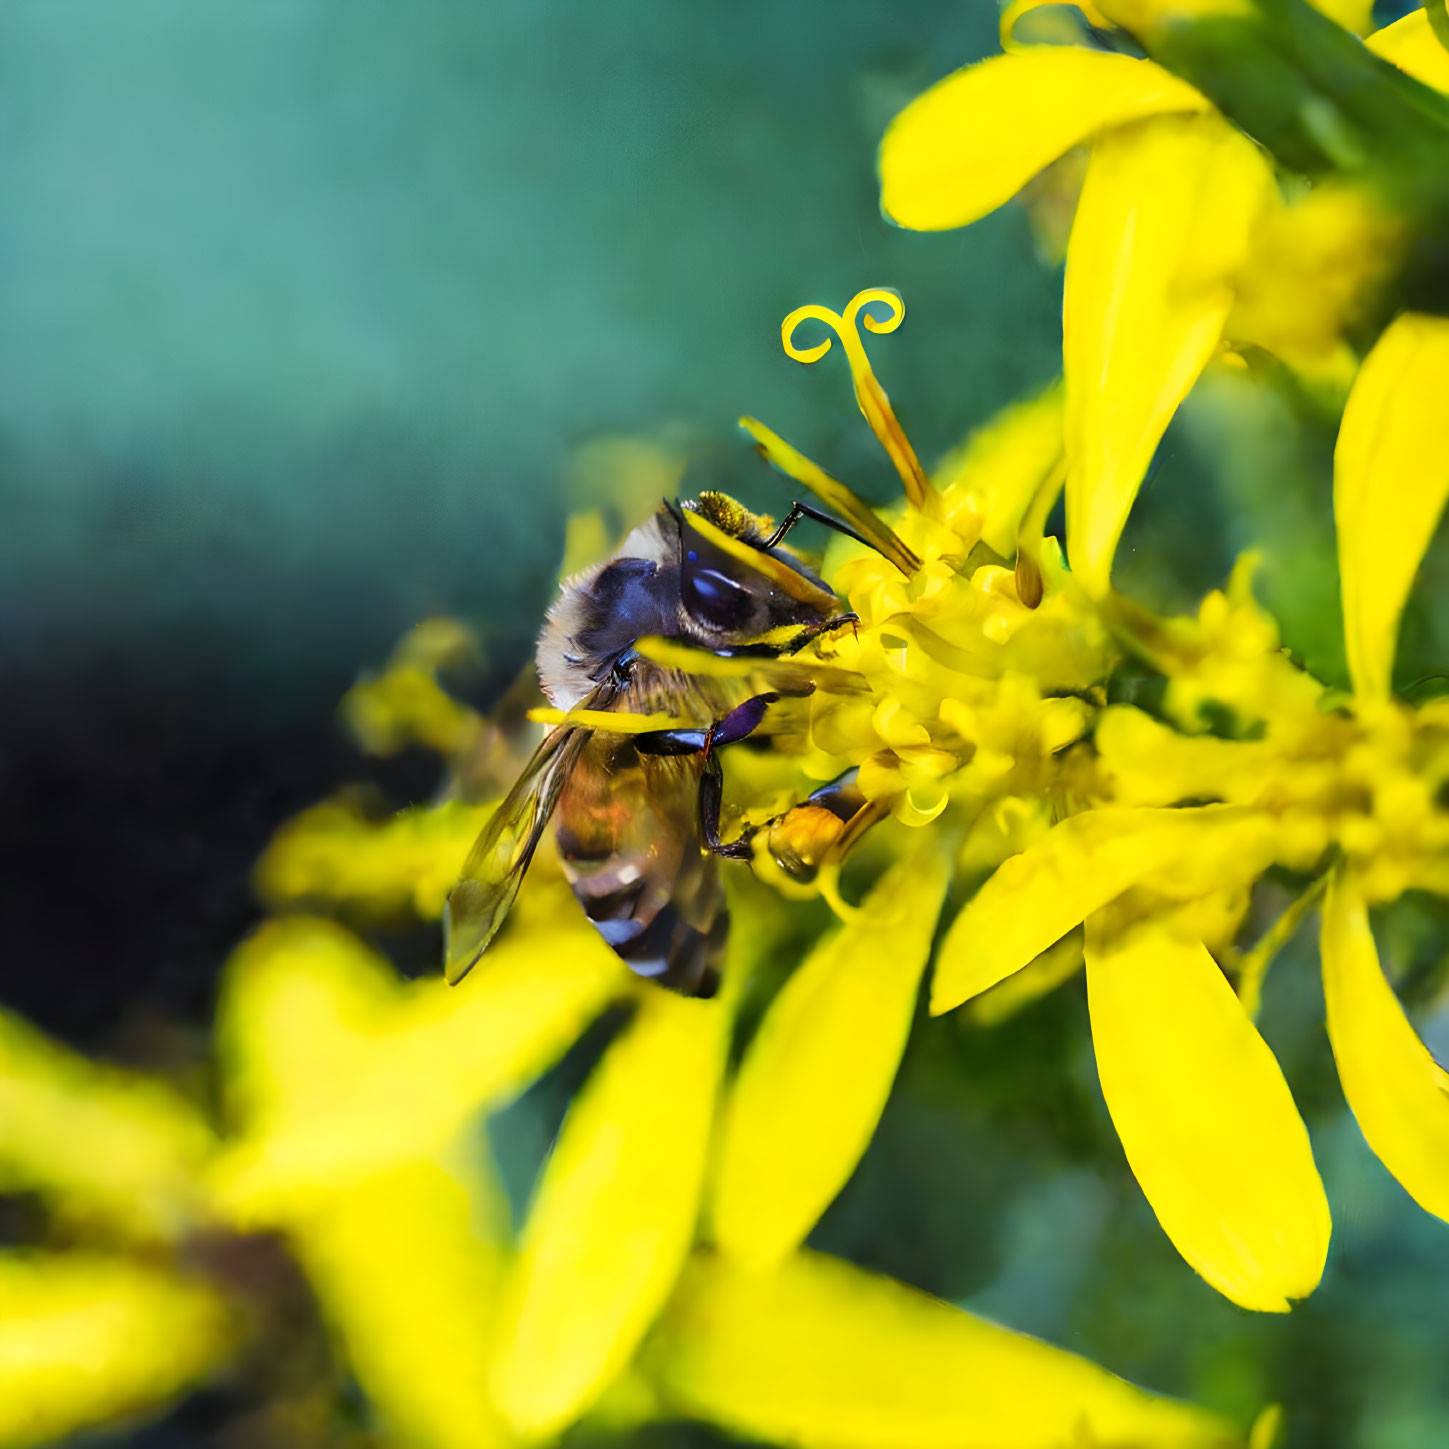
column 644, row 925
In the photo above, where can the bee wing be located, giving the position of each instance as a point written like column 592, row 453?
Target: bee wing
column 499, row 859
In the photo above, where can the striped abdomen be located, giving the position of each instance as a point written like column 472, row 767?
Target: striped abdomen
column 628, row 833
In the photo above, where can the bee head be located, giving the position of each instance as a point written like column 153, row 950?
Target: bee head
column 731, row 584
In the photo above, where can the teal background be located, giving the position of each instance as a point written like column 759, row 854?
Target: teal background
column 302, row 307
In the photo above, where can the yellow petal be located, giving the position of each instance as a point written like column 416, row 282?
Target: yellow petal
column 97, row 1143
column 832, row 493
column 1205, row 1117
column 975, row 139
column 1052, row 29
column 1055, row 965
column 1161, row 229
column 1390, row 480
column 1395, row 1088
column 405, row 704
column 406, row 1266
column 334, row 853
column 614, row 1215
column 1077, row 867
column 815, row 1080
column 1003, row 464
column 1411, row 45
column 1148, row 17
column 335, row 1069
column 819, row 1353
column 1354, row 15
column 85, row 1340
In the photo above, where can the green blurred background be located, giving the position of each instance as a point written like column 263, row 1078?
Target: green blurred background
column 303, row 307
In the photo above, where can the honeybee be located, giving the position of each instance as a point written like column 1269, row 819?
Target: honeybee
column 637, row 816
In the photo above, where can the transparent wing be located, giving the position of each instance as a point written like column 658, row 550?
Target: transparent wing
column 500, row 856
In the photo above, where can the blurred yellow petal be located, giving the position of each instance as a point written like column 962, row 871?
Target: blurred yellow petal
column 1162, row 228
column 1144, row 17
column 406, row 1267
column 1390, row 481
column 334, row 854
column 1001, row 466
column 973, row 140
column 816, row 1077
column 1354, row 15
column 628, row 474
column 336, row 1069
column 405, row 705
column 1077, row 867
column 1267, row 1430
column 98, row 1143
column 1410, row 44
column 819, row 1353
column 1053, row 28
column 1317, row 266
column 1206, row 1120
column 1395, row 1088
column 614, row 1215
column 85, row 1341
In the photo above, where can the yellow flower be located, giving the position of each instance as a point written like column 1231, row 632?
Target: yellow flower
column 659, row 1269
column 962, row 717
column 404, row 704
column 115, row 1324
column 1182, row 243
column 348, row 1096
column 87, row 1339
column 349, row 1093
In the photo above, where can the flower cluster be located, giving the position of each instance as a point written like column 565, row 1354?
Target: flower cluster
column 988, row 706
column 1026, row 817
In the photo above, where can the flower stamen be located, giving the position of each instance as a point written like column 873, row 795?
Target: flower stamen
column 875, row 406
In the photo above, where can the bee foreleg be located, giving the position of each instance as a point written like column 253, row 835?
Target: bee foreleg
column 813, row 631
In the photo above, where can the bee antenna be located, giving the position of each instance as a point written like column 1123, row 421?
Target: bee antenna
column 804, row 510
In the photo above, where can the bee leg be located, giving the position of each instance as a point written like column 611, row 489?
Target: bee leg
column 813, row 631
column 842, row 796
column 711, row 792
column 741, row 722
column 738, row 724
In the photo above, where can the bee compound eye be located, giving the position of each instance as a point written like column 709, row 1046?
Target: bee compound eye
column 716, row 599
